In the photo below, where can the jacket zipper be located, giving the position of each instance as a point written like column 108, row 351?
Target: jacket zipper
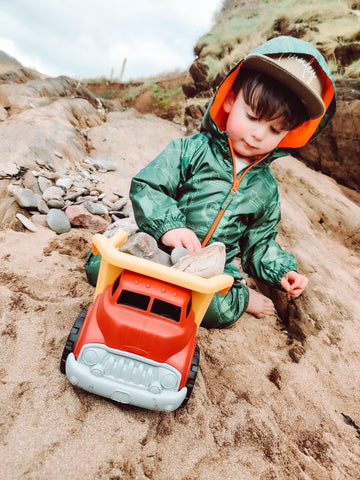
column 231, row 194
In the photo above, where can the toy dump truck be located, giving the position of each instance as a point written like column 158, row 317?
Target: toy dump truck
column 137, row 342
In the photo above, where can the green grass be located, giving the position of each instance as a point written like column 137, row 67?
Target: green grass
column 238, row 31
column 163, row 98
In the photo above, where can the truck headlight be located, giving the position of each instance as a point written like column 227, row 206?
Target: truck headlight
column 168, row 380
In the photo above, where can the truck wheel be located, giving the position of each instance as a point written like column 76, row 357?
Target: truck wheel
column 192, row 375
column 72, row 339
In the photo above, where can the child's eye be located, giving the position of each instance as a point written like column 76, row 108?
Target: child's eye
column 251, row 117
column 275, row 131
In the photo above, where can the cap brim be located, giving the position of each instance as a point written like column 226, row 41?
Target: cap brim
column 264, row 64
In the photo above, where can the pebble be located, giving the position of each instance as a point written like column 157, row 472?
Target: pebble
column 116, row 215
column 43, row 207
column 44, row 183
column 76, row 193
column 109, row 200
column 84, row 198
column 39, row 220
column 206, row 263
column 53, row 192
column 56, row 203
column 58, row 221
column 52, row 195
column 26, row 222
column 64, row 183
column 30, row 181
column 127, row 224
column 119, row 204
column 9, row 170
column 95, row 208
column 107, row 165
column 26, row 198
column 79, row 215
column 177, row 253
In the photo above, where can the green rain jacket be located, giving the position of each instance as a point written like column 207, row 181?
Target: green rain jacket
column 195, row 178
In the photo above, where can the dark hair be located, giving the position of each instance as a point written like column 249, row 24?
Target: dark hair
column 269, row 99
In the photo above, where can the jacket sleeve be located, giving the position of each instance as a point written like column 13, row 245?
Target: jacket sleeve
column 262, row 256
column 153, row 192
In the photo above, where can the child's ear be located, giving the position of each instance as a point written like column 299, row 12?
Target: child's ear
column 229, row 101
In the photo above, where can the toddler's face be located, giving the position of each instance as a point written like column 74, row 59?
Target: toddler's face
column 250, row 136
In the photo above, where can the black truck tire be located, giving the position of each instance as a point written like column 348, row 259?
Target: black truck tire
column 192, row 375
column 72, row 339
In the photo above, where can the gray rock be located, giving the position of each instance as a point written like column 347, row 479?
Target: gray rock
column 178, row 253
column 30, row 181
column 78, row 215
column 42, row 207
column 163, row 258
column 83, row 199
column 44, row 183
column 145, row 246
column 141, row 245
column 53, row 192
column 26, row 198
column 206, row 263
column 9, row 169
column 108, row 165
column 127, row 224
column 58, row 221
column 109, row 200
column 39, row 220
column 119, row 204
column 86, row 174
column 103, row 165
column 95, row 208
column 26, row 222
column 116, row 215
column 64, row 183
column 76, row 193
column 56, row 203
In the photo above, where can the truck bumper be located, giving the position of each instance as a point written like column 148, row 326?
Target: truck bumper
column 80, row 376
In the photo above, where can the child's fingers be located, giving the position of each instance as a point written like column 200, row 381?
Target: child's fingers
column 294, row 284
column 191, row 243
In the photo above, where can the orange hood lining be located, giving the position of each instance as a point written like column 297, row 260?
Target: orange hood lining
column 295, row 138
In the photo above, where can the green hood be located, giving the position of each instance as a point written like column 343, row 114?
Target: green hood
column 214, row 120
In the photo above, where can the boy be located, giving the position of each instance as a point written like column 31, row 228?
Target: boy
column 217, row 185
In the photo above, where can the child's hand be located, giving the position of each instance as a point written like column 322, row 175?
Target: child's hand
column 294, row 283
column 181, row 237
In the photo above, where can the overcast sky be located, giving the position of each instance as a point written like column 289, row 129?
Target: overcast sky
column 89, row 38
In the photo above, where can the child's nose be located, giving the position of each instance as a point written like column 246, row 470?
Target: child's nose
column 259, row 131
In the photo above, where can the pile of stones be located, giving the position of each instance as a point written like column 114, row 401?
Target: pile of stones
column 206, row 263
column 61, row 200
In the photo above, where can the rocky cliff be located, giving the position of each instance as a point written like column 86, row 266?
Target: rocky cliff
column 336, row 151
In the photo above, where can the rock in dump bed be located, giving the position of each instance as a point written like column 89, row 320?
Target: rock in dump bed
column 206, row 263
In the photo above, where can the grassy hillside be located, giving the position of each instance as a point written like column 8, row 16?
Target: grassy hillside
column 162, row 96
column 331, row 25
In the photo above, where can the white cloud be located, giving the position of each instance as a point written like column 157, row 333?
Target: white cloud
column 88, row 38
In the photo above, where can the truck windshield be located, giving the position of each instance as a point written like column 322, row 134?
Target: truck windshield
column 133, row 299
column 165, row 309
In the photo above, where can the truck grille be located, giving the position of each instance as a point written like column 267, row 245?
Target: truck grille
column 124, row 367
